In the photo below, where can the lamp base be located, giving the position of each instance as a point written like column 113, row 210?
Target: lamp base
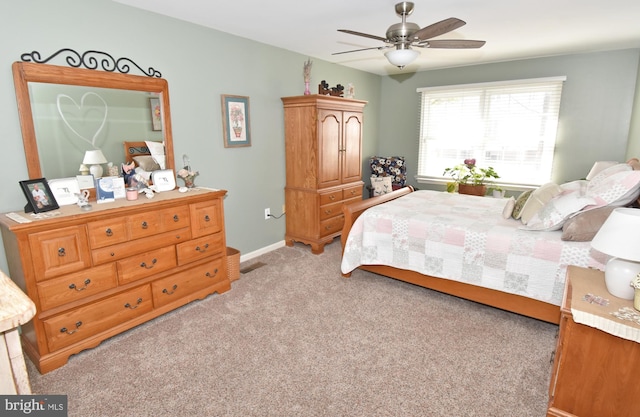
column 618, row 274
column 96, row 171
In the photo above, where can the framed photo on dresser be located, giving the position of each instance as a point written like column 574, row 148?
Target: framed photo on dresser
column 39, row 196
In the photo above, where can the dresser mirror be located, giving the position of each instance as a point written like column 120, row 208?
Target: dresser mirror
column 66, row 111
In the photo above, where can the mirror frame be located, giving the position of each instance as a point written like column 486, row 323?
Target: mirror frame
column 25, row 72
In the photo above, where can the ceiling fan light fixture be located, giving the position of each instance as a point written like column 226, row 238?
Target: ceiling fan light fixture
column 401, row 57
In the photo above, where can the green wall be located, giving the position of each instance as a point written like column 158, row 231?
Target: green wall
column 200, row 64
column 595, row 113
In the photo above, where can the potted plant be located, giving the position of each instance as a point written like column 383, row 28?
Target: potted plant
column 470, row 178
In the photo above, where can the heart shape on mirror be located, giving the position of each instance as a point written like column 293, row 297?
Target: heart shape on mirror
column 81, row 115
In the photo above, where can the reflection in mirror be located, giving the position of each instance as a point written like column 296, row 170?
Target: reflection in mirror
column 100, row 110
column 70, row 120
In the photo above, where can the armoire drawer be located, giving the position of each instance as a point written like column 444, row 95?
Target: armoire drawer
column 177, row 286
column 330, row 210
column 331, row 225
column 76, row 286
column 78, row 324
column 146, row 264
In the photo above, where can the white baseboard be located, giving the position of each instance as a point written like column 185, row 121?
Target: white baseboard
column 261, row 251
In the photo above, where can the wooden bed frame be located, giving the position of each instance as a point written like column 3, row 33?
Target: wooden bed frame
column 505, row 301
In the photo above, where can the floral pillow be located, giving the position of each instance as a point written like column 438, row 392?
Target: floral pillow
column 519, row 204
column 618, row 189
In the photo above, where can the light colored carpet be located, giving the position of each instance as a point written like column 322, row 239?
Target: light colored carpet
column 295, row 338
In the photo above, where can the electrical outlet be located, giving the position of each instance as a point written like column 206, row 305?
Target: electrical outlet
column 267, row 213
column 284, row 209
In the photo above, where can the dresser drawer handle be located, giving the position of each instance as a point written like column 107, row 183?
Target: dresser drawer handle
column 144, row 264
column 64, row 329
column 173, row 289
column 202, row 250
column 332, row 197
column 108, row 232
column 144, row 225
column 129, row 306
column 328, row 211
column 207, row 218
column 86, row 283
column 210, row 275
column 176, row 218
column 61, row 252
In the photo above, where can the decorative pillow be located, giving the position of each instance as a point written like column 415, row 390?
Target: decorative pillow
column 538, row 199
column 618, row 189
column 606, row 173
column 583, row 226
column 520, row 202
column 572, row 186
column 381, row 185
column 557, row 210
column 146, row 162
column 508, row 208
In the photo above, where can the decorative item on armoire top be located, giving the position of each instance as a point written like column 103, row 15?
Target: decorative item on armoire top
column 351, row 91
column 325, row 90
column 306, row 73
column 235, row 121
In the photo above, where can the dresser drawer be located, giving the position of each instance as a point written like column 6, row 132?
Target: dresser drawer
column 124, row 250
column 107, row 232
column 175, row 218
column 146, row 264
column 82, row 322
column 56, row 292
column 332, row 225
column 206, row 218
column 59, row 252
column 144, row 224
column 178, row 286
column 193, row 250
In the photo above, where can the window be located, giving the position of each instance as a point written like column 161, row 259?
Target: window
column 510, row 126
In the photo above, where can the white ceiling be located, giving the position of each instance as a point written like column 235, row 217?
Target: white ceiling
column 513, row 29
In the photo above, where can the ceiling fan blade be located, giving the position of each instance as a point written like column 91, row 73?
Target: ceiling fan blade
column 452, row 44
column 352, row 32
column 358, row 50
column 439, row 28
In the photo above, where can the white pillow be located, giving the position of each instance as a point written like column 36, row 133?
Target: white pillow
column 381, row 185
column 538, row 199
column 156, row 149
column 606, row 173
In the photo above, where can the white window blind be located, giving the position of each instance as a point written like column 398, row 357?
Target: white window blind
column 510, row 126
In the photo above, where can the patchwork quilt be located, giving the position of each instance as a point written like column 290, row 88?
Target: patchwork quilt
column 465, row 238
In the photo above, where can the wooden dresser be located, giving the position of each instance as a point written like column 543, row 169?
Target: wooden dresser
column 98, row 273
column 595, row 373
column 323, row 145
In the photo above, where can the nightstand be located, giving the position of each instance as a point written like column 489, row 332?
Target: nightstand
column 597, row 361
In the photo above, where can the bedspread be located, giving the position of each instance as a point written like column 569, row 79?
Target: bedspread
column 465, row 238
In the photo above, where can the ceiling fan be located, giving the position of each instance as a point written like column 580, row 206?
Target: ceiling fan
column 403, row 36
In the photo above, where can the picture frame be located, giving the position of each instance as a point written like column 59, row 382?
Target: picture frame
column 65, row 190
column 39, row 196
column 156, row 113
column 236, row 127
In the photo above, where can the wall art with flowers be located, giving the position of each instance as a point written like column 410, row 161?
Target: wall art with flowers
column 235, row 121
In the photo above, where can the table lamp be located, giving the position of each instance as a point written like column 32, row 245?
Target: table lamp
column 95, row 158
column 619, row 237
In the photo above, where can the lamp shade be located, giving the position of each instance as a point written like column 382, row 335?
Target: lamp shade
column 94, row 157
column 401, row 57
column 619, row 237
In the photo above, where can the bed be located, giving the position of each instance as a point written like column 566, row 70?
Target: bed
column 464, row 246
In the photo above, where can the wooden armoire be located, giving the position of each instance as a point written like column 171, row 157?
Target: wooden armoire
column 323, row 144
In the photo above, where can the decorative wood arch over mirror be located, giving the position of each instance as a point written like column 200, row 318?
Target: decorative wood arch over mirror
column 26, row 73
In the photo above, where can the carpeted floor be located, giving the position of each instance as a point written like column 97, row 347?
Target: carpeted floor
column 294, row 338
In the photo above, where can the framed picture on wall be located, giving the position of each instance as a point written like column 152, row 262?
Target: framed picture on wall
column 39, row 196
column 235, row 121
column 156, row 113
